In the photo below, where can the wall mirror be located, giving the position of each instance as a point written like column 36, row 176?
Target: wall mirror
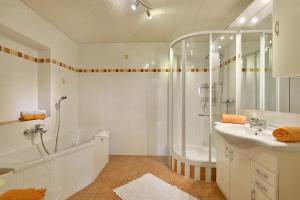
column 250, row 78
column 259, row 89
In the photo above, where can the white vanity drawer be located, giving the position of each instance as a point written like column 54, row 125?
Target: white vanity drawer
column 264, row 187
column 264, row 174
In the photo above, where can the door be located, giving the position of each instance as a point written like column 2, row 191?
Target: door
column 240, row 176
column 222, row 148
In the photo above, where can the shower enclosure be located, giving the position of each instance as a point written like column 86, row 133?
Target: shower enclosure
column 201, row 86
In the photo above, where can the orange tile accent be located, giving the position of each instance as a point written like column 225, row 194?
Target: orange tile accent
column 182, row 169
column 202, row 173
column 192, row 171
column 175, row 165
column 213, row 174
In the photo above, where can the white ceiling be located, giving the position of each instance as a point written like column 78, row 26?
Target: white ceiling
column 87, row 21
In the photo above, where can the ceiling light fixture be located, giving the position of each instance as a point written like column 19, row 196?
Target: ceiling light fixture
column 143, row 4
column 135, row 5
column 222, row 37
column 242, row 20
column 231, row 38
column 266, row 1
column 219, row 47
column 254, row 20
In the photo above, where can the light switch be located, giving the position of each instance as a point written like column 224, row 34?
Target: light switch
column 63, row 81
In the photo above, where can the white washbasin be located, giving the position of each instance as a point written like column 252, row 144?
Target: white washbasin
column 246, row 137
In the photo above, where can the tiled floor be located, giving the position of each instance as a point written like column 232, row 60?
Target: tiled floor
column 122, row 169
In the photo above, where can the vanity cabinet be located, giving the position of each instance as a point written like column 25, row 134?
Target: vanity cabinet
column 223, row 165
column 240, row 176
column 286, row 40
column 234, row 172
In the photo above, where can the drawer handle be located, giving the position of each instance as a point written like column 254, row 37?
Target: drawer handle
column 231, row 155
column 253, row 195
column 262, row 174
column 261, row 187
column 277, row 28
column 226, row 152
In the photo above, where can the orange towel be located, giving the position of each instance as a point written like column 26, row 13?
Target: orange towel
column 32, row 117
column 287, row 134
column 24, row 194
column 234, row 119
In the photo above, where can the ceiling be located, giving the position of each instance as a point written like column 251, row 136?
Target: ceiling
column 89, row 21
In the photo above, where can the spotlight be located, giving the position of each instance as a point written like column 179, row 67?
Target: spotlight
column 219, row 47
column 135, row 5
column 254, row 20
column 242, row 20
column 149, row 14
column 222, row 37
column 265, row 1
column 231, row 37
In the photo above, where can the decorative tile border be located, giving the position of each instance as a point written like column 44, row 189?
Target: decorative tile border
column 96, row 69
column 254, row 69
column 227, row 62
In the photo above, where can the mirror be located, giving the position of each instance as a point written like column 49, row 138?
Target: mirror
column 270, row 94
column 250, row 89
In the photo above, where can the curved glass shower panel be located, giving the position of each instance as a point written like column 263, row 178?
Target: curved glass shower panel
column 176, row 84
column 223, row 79
column 223, row 74
column 197, row 97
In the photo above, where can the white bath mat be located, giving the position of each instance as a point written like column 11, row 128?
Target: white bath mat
column 149, row 187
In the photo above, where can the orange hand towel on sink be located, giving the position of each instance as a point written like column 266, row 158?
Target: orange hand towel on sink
column 287, row 134
column 234, row 119
column 24, row 194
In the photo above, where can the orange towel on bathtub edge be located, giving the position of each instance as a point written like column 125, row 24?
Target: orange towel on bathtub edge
column 287, row 134
column 234, row 119
column 32, row 117
column 24, row 194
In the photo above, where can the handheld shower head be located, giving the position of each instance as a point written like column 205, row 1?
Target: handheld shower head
column 57, row 105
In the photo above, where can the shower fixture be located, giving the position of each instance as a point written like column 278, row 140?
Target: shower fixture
column 145, row 5
column 57, row 106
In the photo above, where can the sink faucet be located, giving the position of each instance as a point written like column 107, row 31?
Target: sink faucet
column 38, row 128
column 258, row 124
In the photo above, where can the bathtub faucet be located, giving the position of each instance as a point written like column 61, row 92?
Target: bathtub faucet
column 37, row 129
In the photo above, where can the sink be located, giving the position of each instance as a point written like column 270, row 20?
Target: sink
column 245, row 137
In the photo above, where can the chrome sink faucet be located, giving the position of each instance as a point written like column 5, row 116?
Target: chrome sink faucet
column 258, row 123
column 38, row 128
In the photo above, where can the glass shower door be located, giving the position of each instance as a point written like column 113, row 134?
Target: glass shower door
column 197, row 98
column 176, row 82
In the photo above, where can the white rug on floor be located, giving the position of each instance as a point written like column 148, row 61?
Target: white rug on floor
column 149, row 187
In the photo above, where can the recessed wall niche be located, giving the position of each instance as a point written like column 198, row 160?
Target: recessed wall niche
column 24, row 77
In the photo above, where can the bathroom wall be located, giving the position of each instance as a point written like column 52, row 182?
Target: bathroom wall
column 16, row 20
column 132, row 105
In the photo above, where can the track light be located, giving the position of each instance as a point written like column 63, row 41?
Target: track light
column 135, row 5
column 144, row 5
column 149, row 14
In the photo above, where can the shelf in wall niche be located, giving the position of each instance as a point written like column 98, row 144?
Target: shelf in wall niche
column 3, row 123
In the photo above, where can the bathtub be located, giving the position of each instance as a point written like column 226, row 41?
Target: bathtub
column 81, row 156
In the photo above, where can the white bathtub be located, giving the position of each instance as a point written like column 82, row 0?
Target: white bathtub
column 81, row 156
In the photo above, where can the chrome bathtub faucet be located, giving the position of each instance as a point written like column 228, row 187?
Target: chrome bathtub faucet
column 38, row 128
